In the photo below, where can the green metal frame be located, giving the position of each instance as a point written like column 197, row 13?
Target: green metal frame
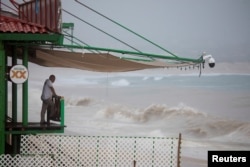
column 53, row 38
column 3, row 93
column 61, row 130
column 25, row 41
column 69, row 26
column 27, row 132
column 62, row 112
column 147, row 55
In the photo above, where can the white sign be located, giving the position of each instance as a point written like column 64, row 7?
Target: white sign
column 19, row 74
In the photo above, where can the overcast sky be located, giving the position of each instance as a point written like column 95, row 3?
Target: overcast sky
column 184, row 27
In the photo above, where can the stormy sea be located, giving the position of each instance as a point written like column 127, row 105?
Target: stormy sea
column 212, row 112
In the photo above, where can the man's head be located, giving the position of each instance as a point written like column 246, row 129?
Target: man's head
column 52, row 78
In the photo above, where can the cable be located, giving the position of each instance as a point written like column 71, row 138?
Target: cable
column 101, row 30
column 126, row 28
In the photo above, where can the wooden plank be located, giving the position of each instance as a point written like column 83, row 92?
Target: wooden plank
column 32, row 126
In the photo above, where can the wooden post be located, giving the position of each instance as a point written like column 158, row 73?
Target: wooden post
column 134, row 163
column 179, row 152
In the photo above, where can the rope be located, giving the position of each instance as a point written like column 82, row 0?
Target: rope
column 101, row 30
column 126, row 28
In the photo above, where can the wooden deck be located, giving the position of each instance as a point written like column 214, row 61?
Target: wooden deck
column 33, row 127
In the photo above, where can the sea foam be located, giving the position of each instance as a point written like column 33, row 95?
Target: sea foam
column 120, row 83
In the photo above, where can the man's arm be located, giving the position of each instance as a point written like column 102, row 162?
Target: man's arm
column 53, row 91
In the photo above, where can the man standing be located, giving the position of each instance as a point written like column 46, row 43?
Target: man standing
column 46, row 97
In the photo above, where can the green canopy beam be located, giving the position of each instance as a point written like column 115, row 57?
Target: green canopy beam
column 54, row 38
column 142, row 54
column 149, row 55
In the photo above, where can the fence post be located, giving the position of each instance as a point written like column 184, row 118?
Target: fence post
column 179, row 152
column 134, row 163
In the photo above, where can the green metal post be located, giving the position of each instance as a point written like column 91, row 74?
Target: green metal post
column 71, row 27
column 62, row 111
column 2, row 97
column 25, row 89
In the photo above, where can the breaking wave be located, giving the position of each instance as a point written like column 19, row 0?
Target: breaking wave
column 153, row 112
column 158, row 78
column 79, row 101
column 182, row 118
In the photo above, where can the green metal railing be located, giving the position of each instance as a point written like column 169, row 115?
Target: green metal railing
column 62, row 112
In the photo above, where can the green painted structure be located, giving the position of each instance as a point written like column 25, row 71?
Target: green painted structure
column 10, row 128
column 19, row 44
